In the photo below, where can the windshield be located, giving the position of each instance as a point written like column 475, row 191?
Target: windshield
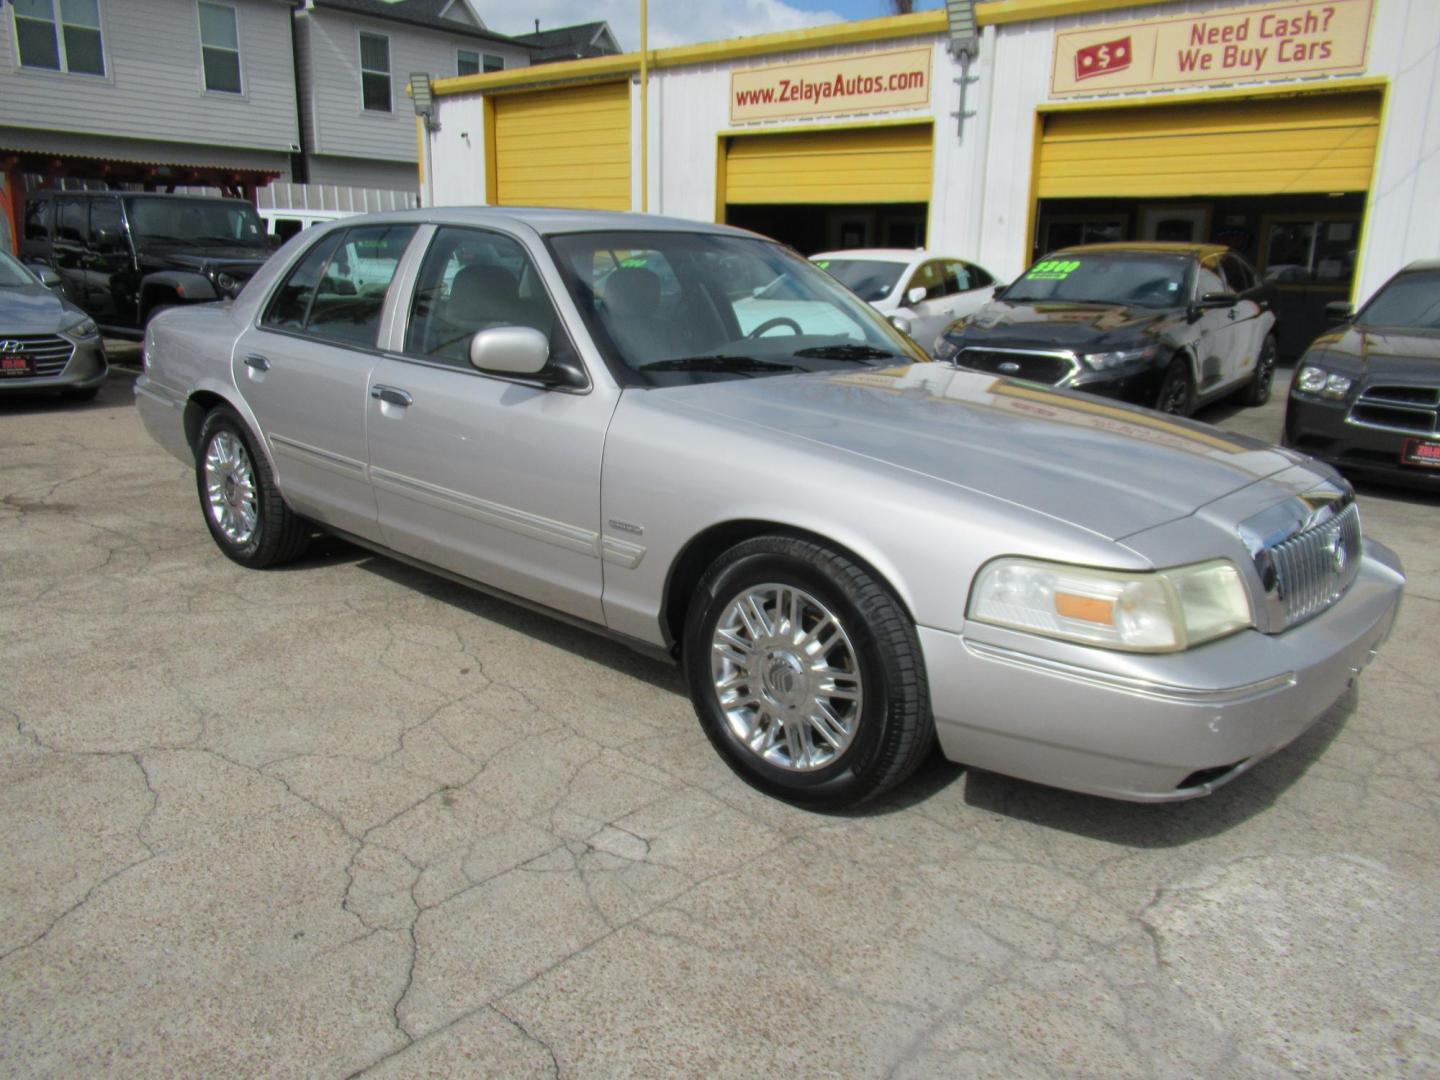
column 869, row 279
column 1134, row 280
column 676, row 307
column 199, row 221
column 1410, row 300
column 13, row 274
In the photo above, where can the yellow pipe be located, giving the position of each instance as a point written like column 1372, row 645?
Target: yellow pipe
column 644, row 109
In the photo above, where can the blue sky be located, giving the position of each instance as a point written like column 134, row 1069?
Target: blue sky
column 682, row 22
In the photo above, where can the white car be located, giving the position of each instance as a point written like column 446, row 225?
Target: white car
column 922, row 292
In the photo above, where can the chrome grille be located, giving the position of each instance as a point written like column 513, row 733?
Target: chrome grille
column 1314, row 568
column 49, row 352
column 1051, row 368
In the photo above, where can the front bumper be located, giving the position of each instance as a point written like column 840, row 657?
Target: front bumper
column 1319, row 428
column 85, row 370
column 1176, row 726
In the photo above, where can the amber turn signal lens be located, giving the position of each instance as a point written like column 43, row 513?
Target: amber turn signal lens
column 1085, row 608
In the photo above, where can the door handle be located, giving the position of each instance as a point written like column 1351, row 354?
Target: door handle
column 1232, row 314
column 258, row 362
column 391, row 395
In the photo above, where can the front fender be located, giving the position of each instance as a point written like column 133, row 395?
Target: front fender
column 190, row 287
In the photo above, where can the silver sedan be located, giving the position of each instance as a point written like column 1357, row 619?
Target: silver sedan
column 46, row 342
column 852, row 552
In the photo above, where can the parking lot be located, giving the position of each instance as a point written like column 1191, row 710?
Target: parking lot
column 347, row 818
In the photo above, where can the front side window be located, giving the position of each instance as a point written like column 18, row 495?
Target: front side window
column 67, row 39
column 1141, row 280
column 162, row 219
column 375, row 72
column 219, row 48
column 337, row 290
column 668, row 308
column 929, row 277
column 957, row 278
column 1208, row 280
column 1238, row 275
column 72, row 221
column 106, row 229
column 467, row 62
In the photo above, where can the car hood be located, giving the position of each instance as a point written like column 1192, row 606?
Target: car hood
column 1391, row 350
column 34, row 309
column 198, row 257
column 1063, row 326
column 1111, row 469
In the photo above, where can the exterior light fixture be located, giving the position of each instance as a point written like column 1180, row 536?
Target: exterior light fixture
column 423, row 99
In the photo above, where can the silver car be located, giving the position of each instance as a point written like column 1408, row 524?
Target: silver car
column 851, row 552
column 46, row 342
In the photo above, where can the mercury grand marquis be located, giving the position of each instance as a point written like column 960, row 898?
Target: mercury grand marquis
column 852, row 552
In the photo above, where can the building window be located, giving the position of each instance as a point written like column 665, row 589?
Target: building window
column 219, row 47
column 70, row 44
column 494, row 63
column 467, row 62
column 375, row 72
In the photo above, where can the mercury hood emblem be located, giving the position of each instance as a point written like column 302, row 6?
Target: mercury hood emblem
column 1338, row 555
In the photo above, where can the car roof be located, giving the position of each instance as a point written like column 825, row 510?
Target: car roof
column 895, row 255
column 1151, row 247
column 1421, row 264
column 547, row 220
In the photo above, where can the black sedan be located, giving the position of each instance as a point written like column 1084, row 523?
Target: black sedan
column 1172, row 326
column 1366, row 396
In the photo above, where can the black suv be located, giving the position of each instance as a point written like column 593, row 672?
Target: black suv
column 1172, row 326
column 123, row 256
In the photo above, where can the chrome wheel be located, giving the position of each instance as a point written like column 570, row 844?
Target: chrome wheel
column 230, row 497
column 786, row 677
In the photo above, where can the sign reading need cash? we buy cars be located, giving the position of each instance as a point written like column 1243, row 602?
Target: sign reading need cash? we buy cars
column 1245, row 44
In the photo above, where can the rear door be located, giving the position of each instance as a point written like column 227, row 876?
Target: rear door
column 305, row 370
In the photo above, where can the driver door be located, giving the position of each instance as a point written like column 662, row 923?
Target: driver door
column 1219, row 345
column 494, row 478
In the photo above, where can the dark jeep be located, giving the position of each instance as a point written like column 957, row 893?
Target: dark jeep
column 123, row 256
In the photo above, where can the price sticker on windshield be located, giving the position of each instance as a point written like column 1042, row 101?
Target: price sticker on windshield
column 1052, row 270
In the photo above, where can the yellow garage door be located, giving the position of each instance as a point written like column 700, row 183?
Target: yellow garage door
column 567, row 147
column 1317, row 143
column 861, row 165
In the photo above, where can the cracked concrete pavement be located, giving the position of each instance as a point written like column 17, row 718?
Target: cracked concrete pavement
column 346, row 819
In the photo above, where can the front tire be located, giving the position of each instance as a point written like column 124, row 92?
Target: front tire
column 806, row 673
column 1257, row 390
column 1177, row 389
column 243, row 509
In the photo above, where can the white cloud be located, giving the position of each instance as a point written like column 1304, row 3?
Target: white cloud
column 672, row 22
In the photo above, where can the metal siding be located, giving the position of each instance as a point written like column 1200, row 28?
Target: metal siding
column 567, row 147
column 153, row 88
column 861, row 165
column 1325, row 143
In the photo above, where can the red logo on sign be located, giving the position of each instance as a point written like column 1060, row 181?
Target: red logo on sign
column 1102, row 59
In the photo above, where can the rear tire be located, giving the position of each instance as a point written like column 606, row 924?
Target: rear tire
column 242, row 507
column 1177, row 389
column 1262, row 380
column 806, row 673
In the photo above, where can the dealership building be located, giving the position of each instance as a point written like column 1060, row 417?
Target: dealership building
column 1303, row 135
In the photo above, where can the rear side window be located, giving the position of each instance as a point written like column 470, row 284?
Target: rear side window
column 979, row 276
column 39, row 214
column 337, row 291
column 72, row 221
column 957, row 278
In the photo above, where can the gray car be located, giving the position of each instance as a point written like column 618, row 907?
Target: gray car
column 46, row 342
column 851, row 552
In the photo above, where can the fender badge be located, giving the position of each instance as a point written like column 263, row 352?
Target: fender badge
column 625, row 526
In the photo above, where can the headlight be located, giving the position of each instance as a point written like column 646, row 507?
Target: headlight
column 1103, row 361
column 1161, row 611
column 83, row 328
column 1314, row 380
column 945, row 349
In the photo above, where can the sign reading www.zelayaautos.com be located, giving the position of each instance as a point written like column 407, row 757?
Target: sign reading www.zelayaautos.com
column 870, row 82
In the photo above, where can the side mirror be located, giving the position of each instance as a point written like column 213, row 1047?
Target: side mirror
column 1339, row 311
column 899, row 322
column 510, row 350
column 915, row 295
column 48, row 277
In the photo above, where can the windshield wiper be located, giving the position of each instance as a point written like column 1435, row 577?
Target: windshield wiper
column 744, row 365
column 858, row 353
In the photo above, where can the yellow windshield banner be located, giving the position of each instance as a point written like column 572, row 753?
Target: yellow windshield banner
column 869, row 82
column 1276, row 41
